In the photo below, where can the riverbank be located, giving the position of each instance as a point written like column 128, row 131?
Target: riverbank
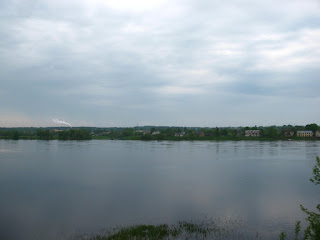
column 166, row 133
column 206, row 138
column 173, row 138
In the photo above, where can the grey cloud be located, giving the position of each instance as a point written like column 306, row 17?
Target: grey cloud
column 82, row 58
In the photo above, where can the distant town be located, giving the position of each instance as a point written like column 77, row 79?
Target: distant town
column 285, row 132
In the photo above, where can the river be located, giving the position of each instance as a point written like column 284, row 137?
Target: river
column 53, row 189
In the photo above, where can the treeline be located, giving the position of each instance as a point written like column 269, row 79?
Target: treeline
column 72, row 134
column 45, row 134
column 193, row 133
column 75, row 134
column 16, row 134
column 154, row 133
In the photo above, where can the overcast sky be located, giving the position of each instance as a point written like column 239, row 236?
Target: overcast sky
column 158, row 62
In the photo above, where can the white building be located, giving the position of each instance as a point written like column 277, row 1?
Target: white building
column 144, row 132
column 304, row 133
column 252, row 133
column 180, row 134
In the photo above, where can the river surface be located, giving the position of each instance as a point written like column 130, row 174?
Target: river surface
column 51, row 189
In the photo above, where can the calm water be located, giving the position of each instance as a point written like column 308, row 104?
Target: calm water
column 50, row 189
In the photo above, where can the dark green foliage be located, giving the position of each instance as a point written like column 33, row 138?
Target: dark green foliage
column 159, row 137
column 224, row 132
column 313, row 218
column 146, row 137
column 15, row 135
column 312, row 127
column 75, row 134
column 208, row 132
column 11, row 134
column 183, row 230
column 312, row 232
column 18, row 133
column 217, row 132
column 283, row 236
column 297, row 230
column 316, row 173
column 128, row 132
column 141, row 232
column 271, row 132
column 233, row 132
column 166, row 133
column 44, row 134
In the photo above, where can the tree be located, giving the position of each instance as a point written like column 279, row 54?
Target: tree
column 208, row 132
column 217, row 132
column 146, row 137
column 15, row 135
column 224, row 132
column 233, row 132
column 159, row 137
column 316, row 173
column 75, row 134
column 44, row 134
column 271, row 132
column 128, row 132
column 169, row 132
column 312, row 127
column 312, row 232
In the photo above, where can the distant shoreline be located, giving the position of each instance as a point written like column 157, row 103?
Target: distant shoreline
column 310, row 132
column 175, row 139
column 209, row 139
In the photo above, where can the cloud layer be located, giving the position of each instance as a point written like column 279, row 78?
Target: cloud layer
column 184, row 62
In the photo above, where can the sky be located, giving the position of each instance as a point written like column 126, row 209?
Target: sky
column 125, row 63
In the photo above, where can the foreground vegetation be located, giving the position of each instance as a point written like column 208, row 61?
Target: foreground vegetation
column 312, row 231
column 183, row 230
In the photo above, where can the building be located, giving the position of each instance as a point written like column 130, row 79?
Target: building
column 144, row 132
column 317, row 133
column 304, row 133
column 180, row 134
column 252, row 133
column 288, row 133
column 200, row 134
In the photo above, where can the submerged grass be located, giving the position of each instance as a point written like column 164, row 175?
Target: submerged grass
column 228, row 230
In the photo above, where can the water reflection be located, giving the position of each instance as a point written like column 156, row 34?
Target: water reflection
column 52, row 188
